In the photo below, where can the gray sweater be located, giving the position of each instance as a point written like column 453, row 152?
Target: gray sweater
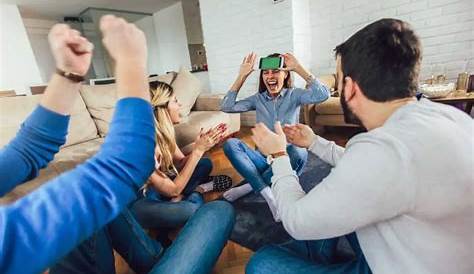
column 406, row 188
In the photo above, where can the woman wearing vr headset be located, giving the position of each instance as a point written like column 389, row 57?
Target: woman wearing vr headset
column 276, row 100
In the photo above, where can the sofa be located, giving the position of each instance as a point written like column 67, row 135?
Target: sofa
column 90, row 118
column 328, row 113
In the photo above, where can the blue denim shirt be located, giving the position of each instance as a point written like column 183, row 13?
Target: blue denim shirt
column 284, row 108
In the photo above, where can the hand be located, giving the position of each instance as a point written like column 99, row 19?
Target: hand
column 299, row 135
column 269, row 142
column 71, row 51
column 291, row 63
column 124, row 41
column 247, row 66
column 206, row 140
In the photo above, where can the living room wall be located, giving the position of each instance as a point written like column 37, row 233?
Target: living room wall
column 232, row 29
column 18, row 67
column 446, row 29
column 312, row 28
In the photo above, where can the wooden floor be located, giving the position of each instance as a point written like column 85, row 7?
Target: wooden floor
column 234, row 257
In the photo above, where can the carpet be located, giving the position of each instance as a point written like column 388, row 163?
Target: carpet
column 254, row 225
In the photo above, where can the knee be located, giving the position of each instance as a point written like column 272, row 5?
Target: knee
column 206, row 165
column 222, row 211
column 196, row 201
column 297, row 153
column 231, row 145
column 261, row 261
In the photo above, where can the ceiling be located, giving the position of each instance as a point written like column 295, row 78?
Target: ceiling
column 57, row 9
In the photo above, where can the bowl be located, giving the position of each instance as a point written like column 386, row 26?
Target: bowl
column 436, row 90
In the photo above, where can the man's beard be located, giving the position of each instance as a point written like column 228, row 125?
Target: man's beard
column 349, row 116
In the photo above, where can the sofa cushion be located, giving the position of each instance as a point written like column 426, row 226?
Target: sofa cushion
column 208, row 102
column 81, row 126
column 189, row 128
column 186, row 88
column 100, row 101
column 67, row 158
column 330, row 106
column 14, row 110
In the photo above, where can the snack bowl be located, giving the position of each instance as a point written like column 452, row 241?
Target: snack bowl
column 436, row 90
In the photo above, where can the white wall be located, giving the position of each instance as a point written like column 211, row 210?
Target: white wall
column 147, row 25
column 302, row 42
column 37, row 30
column 232, row 29
column 172, row 43
column 446, row 29
column 18, row 68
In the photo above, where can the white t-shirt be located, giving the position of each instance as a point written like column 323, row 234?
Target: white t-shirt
column 406, row 188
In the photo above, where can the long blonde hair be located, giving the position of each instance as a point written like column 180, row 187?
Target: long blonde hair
column 161, row 94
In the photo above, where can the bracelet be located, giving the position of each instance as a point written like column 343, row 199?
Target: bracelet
column 76, row 78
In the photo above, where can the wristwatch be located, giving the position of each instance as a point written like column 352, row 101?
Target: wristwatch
column 76, row 78
column 273, row 156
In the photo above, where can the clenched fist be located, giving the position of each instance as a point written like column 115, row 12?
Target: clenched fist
column 123, row 40
column 71, row 51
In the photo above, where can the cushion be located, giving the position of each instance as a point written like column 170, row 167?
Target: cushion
column 100, row 101
column 328, row 80
column 14, row 110
column 81, row 126
column 67, row 158
column 330, row 106
column 208, row 102
column 189, row 128
column 186, row 88
column 167, row 78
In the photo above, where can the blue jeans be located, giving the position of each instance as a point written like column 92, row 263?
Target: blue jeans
column 195, row 250
column 308, row 257
column 95, row 254
column 157, row 212
column 252, row 164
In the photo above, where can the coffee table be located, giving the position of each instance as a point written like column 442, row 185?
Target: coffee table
column 458, row 96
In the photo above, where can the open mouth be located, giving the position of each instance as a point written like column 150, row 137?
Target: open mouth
column 272, row 84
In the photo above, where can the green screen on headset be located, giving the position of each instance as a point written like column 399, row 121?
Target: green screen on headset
column 271, row 63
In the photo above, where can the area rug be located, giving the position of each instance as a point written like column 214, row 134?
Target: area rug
column 254, row 225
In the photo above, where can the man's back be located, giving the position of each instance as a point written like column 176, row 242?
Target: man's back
column 433, row 144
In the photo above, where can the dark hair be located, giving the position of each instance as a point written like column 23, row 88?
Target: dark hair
column 384, row 59
column 288, row 83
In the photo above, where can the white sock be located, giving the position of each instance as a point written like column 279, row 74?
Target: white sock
column 237, row 192
column 206, row 187
column 268, row 196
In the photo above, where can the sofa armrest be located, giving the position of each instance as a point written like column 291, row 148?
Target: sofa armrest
column 208, row 102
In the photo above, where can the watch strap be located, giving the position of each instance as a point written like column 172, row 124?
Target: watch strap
column 76, row 78
column 279, row 154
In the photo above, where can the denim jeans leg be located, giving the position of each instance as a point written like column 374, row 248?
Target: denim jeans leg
column 200, row 175
column 248, row 162
column 274, row 259
column 200, row 242
column 94, row 255
column 298, row 158
column 157, row 214
column 133, row 244
column 321, row 251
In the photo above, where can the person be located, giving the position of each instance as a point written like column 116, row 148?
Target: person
column 174, row 190
column 276, row 100
column 401, row 193
column 46, row 224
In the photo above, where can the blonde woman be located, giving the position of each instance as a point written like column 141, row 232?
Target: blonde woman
column 173, row 191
